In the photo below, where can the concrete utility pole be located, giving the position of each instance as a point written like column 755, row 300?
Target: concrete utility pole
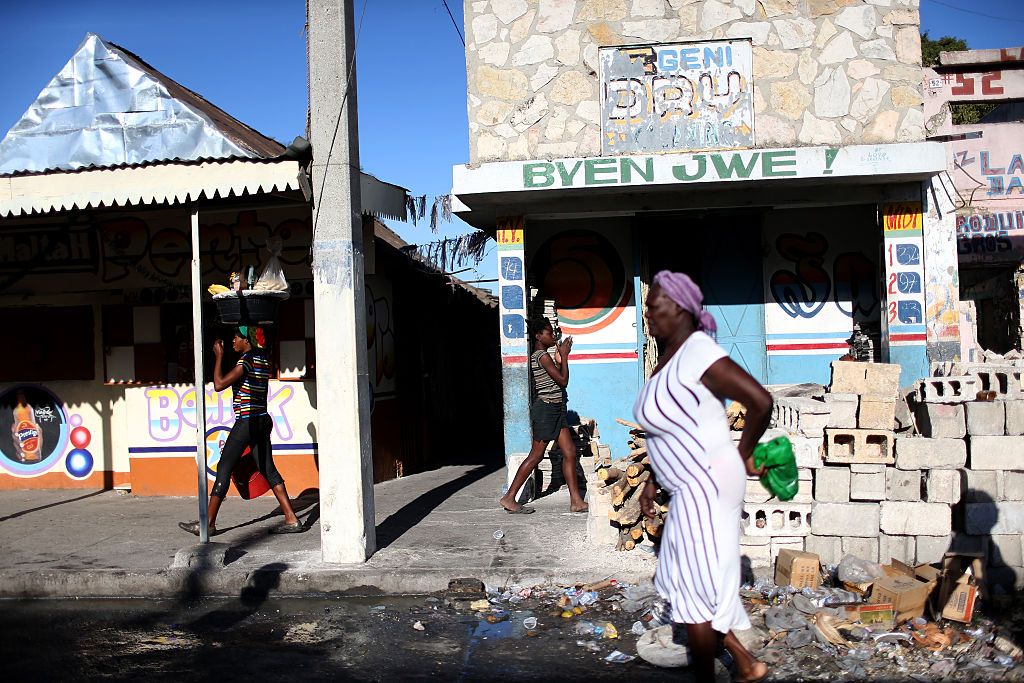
column 342, row 382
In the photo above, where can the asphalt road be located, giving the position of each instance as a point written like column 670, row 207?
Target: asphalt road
column 365, row 639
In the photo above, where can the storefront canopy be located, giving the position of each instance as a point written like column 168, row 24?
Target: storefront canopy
column 661, row 182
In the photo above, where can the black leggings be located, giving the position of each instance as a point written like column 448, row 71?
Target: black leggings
column 253, row 432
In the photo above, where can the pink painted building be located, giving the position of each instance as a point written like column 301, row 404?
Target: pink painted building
column 986, row 166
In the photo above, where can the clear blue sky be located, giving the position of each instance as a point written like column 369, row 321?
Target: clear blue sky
column 249, row 58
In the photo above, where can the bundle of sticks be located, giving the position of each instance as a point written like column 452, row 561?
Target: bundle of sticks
column 624, row 480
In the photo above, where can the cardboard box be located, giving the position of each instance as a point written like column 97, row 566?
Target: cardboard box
column 906, row 587
column 881, row 615
column 961, row 575
column 798, row 569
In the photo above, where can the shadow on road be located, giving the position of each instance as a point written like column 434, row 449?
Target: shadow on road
column 51, row 505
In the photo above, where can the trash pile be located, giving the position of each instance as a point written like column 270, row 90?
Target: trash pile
column 863, row 619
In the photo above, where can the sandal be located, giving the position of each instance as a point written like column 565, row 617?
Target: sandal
column 521, row 510
column 296, row 528
column 193, row 528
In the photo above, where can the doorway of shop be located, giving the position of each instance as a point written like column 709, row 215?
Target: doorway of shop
column 722, row 252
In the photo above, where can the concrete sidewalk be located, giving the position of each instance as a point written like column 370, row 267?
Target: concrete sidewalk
column 430, row 527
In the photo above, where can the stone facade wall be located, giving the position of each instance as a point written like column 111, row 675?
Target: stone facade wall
column 826, row 72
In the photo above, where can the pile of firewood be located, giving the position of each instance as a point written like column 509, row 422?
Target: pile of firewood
column 623, row 481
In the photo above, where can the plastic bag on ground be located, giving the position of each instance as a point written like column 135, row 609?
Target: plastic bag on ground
column 853, row 569
column 272, row 277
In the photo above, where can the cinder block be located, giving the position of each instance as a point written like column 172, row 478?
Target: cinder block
column 963, row 543
column 903, row 485
column 1005, row 550
column 804, row 491
column 983, row 486
column 883, row 380
column 1013, row 487
column 842, row 410
column 832, row 485
column 1006, row 382
column 760, row 556
column 600, row 532
column 828, row 548
column 931, row 548
column 994, row 518
column 867, row 486
column 808, row 451
column 848, row 377
column 864, row 548
column 917, row 453
column 800, row 415
column 915, row 519
column 858, row 445
column 944, row 486
column 986, row 418
column 866, row 468
column 942, row 420
column 776, row 519
column 789, row 542
column 997, row 452
column 947, row 389
column 902, row 548
column 1014, row 417
column 845, row 519
column 755, row 540
column 756, row 492
column 880, row 414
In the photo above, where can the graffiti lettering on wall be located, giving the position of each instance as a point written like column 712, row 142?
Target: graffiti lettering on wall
column 806, row 289
column 380, row 338
column 1002, row 171
column 584, row 274
column 170, row 409
column 40, row 435
column 988, row 233
column 121, row 249
column 673, row 97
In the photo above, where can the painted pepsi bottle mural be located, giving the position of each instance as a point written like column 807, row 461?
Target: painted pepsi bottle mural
column 28, row 438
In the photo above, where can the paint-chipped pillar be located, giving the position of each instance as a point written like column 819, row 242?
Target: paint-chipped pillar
column 515, row 350
column 941, row 270
column 347, row 531
column 903, row 319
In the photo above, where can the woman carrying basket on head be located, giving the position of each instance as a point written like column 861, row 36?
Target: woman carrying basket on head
column 249, row 381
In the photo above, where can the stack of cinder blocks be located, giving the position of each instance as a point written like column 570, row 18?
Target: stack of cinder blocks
column 883, row 488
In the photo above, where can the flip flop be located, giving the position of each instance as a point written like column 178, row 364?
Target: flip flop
column 193, row 528
column 296, row 528
column 522, row 510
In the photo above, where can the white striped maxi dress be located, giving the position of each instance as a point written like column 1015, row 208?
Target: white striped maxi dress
column 694, row 458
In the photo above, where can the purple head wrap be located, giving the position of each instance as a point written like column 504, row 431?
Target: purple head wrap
column 682, row 290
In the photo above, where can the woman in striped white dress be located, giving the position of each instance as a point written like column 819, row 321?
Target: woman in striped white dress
column 694, row 459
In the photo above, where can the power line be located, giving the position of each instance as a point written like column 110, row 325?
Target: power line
column 979, row 14
column 454, row 23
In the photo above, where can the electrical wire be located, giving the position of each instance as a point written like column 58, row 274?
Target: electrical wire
column 454, row 23
column 337, row 124
column 979, row 14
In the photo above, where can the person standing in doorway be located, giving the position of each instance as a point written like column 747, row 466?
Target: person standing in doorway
column 694, row 459
column 548, row 417
column 249, row 381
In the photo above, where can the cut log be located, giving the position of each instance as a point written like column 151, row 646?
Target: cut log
column 627, row 423
column 639, row 479
column 609, row 473
column 634, row 469
column 637, row 532
column 653, row 527
column 626, row 542
column 629, row 513
column 620, row 495
column 638, row 452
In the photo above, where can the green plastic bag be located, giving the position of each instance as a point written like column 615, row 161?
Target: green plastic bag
column 780, row 476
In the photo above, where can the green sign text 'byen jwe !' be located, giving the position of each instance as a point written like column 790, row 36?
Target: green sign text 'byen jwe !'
column 635, row 170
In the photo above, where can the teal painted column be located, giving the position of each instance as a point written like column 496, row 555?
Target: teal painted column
column 514, row 346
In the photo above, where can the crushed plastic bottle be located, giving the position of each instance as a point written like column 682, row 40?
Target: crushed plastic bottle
column 530, row 623
column 1003, row 660
column 585, row 628
column 588, row 598
column 638, row 628
column 658, row 614
column 498, row 535
column 831, row 597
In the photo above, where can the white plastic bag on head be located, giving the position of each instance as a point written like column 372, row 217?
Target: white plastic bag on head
column 272, row 277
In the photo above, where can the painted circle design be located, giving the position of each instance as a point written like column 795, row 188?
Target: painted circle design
column 215, row 439
column 79, row 463
column 31, row 416
column 80, row 437
column 584, row 273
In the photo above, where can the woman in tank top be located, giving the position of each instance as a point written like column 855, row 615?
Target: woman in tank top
column 549, row 377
